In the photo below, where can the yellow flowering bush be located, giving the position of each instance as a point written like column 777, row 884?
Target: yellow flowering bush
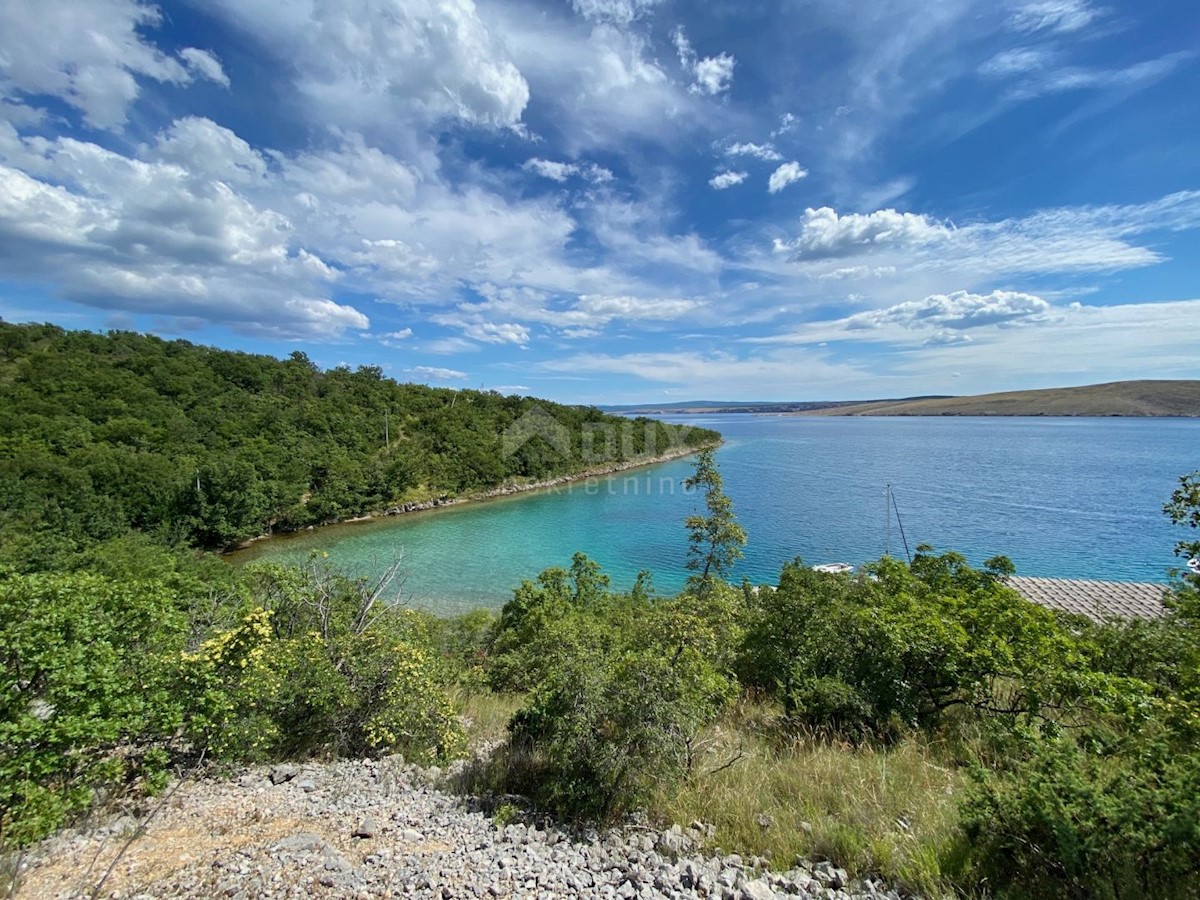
column 403, row 707
column 234, row 678
column 309, row 673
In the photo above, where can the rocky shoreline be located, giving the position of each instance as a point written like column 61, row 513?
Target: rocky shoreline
column 503, row 490
column 381, row 828
column 506, row 490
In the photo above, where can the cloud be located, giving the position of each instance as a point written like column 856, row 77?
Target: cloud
column 479, row 329
column 857, row 272
column 1061, row 16
column 959, row 310
column 926, row 252
column 370, row 64
column 603, row 308
column 713, row 74
column 1017, row 61
column 88, row 54
column 449, row 346
column 436, row 373
column 826, row 235
column 621, row 12
column 765, row 152
column 1087, row 344
column 402, row 335
column 560, row 172
column 1077, row 78
column 204, row 64
column 204, row 149
column 786, row 174
column 787, row 122
column 723, row 180
column 583, row 316
column 152, row 235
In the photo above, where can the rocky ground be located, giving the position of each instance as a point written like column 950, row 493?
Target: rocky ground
column 383, row 829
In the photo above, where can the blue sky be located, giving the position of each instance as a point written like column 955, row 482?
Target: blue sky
column 617, row 200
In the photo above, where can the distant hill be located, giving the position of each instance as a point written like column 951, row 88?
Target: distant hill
column 1118, row 398
column 694, row 407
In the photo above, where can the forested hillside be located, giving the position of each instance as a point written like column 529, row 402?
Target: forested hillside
column 100, row 434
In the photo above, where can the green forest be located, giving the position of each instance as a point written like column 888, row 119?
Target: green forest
column 101, row 434
column 920, row 721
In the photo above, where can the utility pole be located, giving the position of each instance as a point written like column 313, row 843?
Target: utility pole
column 387, row 437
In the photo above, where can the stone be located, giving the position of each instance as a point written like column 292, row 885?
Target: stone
column 300, row 842
column 366, row 829
column 283, row 773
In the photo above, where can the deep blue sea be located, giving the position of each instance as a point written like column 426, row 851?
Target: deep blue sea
column 1078, row 498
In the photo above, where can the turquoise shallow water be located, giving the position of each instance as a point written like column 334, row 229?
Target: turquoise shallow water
column 1078, row 498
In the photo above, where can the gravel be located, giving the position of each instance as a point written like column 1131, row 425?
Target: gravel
column 380, row 828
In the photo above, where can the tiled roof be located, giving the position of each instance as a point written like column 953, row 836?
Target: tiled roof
column 1095, row 599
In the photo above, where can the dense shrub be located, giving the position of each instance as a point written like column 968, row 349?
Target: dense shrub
column 1069, row 821
column 326, row 665
column 86, row 699
column 106, row 681
column 621, row 685
column 905, row 646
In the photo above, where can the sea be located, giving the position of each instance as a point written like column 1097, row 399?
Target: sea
column 1061, row 497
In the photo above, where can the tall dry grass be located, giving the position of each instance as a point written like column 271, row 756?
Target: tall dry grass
column 886, row 811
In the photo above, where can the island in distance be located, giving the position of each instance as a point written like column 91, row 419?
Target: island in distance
column 1118, row 398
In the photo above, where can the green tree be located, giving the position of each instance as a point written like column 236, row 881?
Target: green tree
column 1184, row 509
column 715, row 539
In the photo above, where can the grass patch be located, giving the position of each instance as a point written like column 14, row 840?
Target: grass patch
column 486, row 714
column 889, row 811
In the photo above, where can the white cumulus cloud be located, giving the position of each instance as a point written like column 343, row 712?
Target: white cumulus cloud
column 88, row 53
column 824, row 234
column 723, row 180
column 788, row 173
column 958, row 310
column 364, row 63
column 713, row 74
column 765, row 152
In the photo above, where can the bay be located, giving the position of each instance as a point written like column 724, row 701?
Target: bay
column 1068, row 498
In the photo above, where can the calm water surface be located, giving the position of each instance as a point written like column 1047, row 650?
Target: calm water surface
column 1078, row 498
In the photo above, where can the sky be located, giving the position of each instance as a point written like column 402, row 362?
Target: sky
column 614, row 201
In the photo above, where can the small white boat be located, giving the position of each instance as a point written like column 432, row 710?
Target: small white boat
column 1193, row 565
column 834, row 568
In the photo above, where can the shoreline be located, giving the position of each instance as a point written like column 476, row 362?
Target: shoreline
column 493, row 493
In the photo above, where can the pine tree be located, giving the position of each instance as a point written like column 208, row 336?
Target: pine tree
column 715, row 539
